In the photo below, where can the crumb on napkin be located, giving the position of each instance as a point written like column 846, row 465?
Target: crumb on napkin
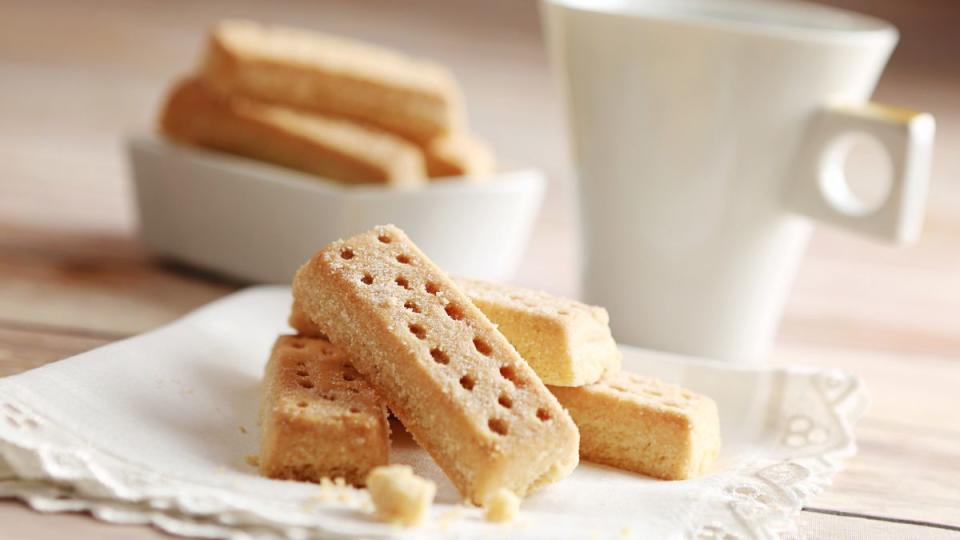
column 399, row 496
column 502, row 507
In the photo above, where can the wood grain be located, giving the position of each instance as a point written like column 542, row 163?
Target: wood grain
column 73, row 276
column 23, row 347
column 101, row 282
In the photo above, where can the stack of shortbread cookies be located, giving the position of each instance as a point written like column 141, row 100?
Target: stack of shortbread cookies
column 506, row 388
column 343, row 110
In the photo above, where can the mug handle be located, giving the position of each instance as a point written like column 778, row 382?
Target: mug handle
column 819, row 189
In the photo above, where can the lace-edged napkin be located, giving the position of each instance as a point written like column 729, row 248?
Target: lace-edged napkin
column 159, row 429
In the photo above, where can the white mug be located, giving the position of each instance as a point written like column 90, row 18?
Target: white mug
column 707, row 134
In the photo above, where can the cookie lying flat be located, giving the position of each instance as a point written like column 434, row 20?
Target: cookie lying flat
column 458, row 154
column 327, row 147
column 320, row 419
column 457, row 385
column 644, row 425
column 566, row 342
column 416, row 99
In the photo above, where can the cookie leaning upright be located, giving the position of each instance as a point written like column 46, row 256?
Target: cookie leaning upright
column 417, row 99
column 459, row 387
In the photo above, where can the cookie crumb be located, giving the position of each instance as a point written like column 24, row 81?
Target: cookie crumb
column 450, row 517
column 399, row 496
column 502, row 507
column 327, row 491
column 252, row 460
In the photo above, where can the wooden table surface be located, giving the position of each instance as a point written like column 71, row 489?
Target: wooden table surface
column 74, row 77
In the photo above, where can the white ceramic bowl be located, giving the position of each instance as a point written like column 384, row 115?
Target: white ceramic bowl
column 258, row 222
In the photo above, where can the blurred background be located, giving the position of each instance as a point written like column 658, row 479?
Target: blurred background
column 76, row 76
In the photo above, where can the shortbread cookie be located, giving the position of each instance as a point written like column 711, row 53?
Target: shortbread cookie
column 320, row 418
column 458, row 155
column 302, row 323
column 417, row 99
column 399, row 496
column 332, row 148
column 566, row 342
column 644, row 425
column 457, row 385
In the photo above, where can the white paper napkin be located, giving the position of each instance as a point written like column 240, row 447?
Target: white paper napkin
column 156, row 429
